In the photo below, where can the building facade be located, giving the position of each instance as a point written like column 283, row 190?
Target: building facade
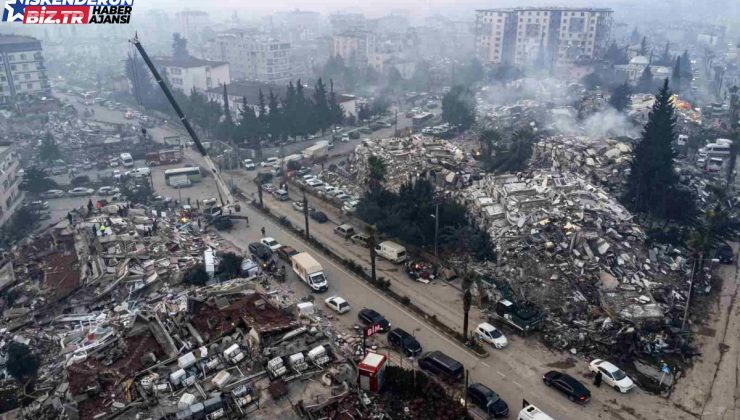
column 253, row 56
column 9, row 182
column 554, row 36
column 193, row 73
column 22, row 69
column 357, row 48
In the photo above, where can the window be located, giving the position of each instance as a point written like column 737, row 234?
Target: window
column 13, row 67
column 23, row 56
column 30, row 86
column 25, row 67
column 27, row 76
column 11, row 57
column 176, row 70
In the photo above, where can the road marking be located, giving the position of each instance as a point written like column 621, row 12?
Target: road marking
column 501, row 374
column 485, row 364
column 517, row 384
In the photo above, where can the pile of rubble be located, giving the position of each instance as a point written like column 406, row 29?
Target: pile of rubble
column 570, row 247
column 405, row 160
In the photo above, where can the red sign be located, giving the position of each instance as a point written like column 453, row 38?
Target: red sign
column 373, row 329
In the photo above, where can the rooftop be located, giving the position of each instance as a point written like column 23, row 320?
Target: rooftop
column 16, row 39
column 547, row 8
column 188, row 62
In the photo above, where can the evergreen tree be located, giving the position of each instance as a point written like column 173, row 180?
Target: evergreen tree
column 686, row 71
column 322, row 113
column 643, row 47
column 304, row 112
column 652, row 179
column 616, row 54
column 676, row 75
column 226, row 128
column 227, row 112
column 335, row 108
column 620, row 98
column 634, row 37
column 645, row 84
column 665, row 59
column 249, row 127
column 458, row 107
column 49, row 151
column 274, row 117
column 179, row 47
column 141, row 83
column 262, row 129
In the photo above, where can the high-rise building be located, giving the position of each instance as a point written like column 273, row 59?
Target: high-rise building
column 253, row 56
column 191, row 73
column 556, row 36
column 355, row 47
column 22, row 69
column 9, row 182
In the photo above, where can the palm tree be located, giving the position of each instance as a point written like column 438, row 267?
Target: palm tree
column 305, row 210
column 376, row 172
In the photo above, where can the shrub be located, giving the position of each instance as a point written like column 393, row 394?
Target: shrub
column 196, row 275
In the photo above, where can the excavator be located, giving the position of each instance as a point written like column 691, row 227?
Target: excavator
column 228, row 202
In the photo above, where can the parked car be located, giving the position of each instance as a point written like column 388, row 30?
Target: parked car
column 314, row 183
column 107, row 190
column 404, row 342
column 271, row 243
column 491, row 335
column 319, row 216
column 350, row 206
column 337, row 304
column 345, row 231
column 612, row 375
column 360, row 239
column 268, row 188
column 442, row 366
column 81, row 191
column 269, row 162
column 303, row 171
column 260, row 250
column 285, row 252
column 371, row 316
column 80, row 180
column 248, row 164
column 298, row 206
column 724, row 254
column 345, row 139
column 568, row 385
column 488, row 401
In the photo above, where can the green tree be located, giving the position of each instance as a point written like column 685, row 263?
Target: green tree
column 36, row 181
column 376, row 171
column 305, row 122
column 512, row 155
column 142, row 87
column 458, row 107
column 230, row 264
column 49, row 151
column 196, row 275
column 652, row 178
column 643, row 47
column 262, row 117
column 676, row 75
column 665, row 58
column 139, row 193
column 274, row 118
column 646, row 84
column 616, row 54
column 634, row 36
column 20, row 225
column 335, row 108
column 620, row 97
column 22, row 364
column 179, row 47
column 322, row 113
column 686, row 71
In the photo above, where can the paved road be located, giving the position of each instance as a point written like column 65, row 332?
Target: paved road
column 514, row 372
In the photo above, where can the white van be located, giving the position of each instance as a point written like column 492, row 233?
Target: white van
column 281, row 195
column 310, row 271
column 391, row 251
column 531, row 412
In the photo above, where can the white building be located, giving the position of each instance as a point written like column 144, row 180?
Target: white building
column 22, row 69
column 9, row 182
column 191, row 23
column 189, row 73
column 558, row 35
column 355, row 47
column 633, row 70
column 253, row 56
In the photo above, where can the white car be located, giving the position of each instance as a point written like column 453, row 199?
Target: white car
column 337, row 304
column 491, row 335
column 313, row 182
column 53, row 194
column 345, row 139
column 248, row 164
column 106, row 190
column 271, row 243
column 80, row 191
column 298, row 206
column 612, row 375
column 269, row 162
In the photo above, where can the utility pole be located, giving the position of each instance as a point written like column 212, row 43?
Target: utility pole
column 467, row 378
column 259, row 191
column 305, row 212
column 436, row 231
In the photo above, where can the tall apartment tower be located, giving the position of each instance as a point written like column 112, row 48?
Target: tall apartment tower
column 557, row 36
column 22, row 69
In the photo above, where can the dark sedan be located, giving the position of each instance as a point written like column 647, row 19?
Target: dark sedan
column 260, row 250
column 371, row 316
column 568, row 385
column 319, row 216
column 404, row 342
column 488, row 401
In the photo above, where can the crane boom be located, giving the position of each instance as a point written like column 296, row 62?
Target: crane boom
column 224, row 193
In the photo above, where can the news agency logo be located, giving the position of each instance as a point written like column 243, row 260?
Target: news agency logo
column 68, row 11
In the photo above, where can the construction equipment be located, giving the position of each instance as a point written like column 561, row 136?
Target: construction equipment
column 224, row 193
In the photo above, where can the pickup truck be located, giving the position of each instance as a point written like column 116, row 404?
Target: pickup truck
column 523, row 317
column 309, row 271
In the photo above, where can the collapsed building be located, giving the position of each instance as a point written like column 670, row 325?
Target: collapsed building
column 568, row 246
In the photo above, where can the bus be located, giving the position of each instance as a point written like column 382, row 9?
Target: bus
column 419, row 120
column 126, row 160
column 193, row 174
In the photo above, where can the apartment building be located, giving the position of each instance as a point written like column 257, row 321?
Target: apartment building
column 9, row 181
column 559, row 36
column 355, row 47
column 253, row 56
column 22, row 69
column 188, row 73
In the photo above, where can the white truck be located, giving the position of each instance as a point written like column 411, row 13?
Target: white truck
column 316, row 152
column 391, row 251
column 234, row 354
column 310, row 271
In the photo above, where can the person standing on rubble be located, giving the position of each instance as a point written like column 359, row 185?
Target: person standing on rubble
column 263, row 231
column 597, row 379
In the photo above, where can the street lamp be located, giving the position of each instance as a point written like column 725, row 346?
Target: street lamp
column 436, row 229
